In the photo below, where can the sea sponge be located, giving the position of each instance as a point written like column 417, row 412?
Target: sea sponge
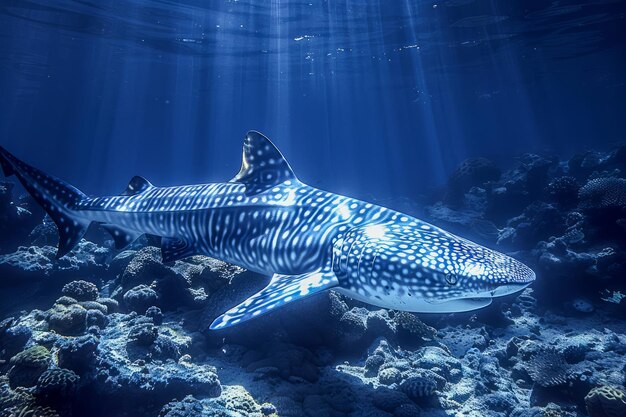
column 548, row 368
column 606, row 401
column 602, row 193
column 28, row 365
column 81, row 290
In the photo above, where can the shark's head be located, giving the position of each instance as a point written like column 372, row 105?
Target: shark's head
column 418, row 267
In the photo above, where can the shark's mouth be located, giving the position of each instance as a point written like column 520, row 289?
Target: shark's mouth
column 508, row 289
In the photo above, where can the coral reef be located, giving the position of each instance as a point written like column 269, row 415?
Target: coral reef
column 103, row 333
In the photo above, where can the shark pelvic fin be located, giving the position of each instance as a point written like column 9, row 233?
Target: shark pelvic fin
column 262, row 165
column 173, row 249
column 137, row 185
column 281, row 290
column 121, row 237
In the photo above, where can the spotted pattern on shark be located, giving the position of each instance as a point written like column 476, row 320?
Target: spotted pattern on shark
column 309, row 240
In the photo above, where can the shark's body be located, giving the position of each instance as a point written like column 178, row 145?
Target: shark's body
column 309, row 240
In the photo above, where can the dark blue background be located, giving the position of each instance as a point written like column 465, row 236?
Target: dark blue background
column 376, row 98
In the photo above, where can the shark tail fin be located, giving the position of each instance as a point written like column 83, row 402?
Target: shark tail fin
column 58, row 198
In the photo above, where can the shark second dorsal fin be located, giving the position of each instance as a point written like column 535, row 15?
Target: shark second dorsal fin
column 281, row 290
column 137, row 185
column 262, row 165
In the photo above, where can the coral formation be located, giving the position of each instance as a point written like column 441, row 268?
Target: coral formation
column 108, row 332
column 606, row 401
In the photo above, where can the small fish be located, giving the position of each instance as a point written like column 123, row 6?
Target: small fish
column 266, row 220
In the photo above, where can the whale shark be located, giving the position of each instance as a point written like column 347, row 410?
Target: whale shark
column 308, row 240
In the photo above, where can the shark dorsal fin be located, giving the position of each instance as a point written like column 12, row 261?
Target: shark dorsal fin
column 137, row 185
column 262, row 164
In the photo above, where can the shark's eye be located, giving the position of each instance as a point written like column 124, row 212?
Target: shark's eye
column 451, row 278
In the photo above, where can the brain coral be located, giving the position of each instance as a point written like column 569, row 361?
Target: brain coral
column 548, row 368
column 28, row 365
column 57, row 383
column 81, row 290
column 606, row 401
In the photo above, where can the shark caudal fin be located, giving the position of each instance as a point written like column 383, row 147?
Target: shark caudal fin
column 57, row 198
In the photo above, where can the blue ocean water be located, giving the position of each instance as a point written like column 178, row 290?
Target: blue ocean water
column 501, row 121
column 366, row 97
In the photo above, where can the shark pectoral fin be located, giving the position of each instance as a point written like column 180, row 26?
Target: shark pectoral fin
column 281, row 290
column 262, row 165
column 137, row 185
column 458, row 305
column 121, row 237
column 173, row 249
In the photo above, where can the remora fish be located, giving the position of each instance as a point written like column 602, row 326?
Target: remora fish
column 309, row 240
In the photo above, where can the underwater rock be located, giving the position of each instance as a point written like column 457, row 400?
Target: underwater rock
column 140, row 298
column 380, row 324
column 118, row 377
column 471, row 172
column 389, row 400
column 27, row 366
column 187, row 407
column 81, row 290
column 411, row 330
column 38, row 262
column 13, row 338
column 16, row 220
column 285, row 361
column 155, row 314
column 563, row 191
column 539, row 221
column 351, row 329
column 45, row 233
column 78, row 354
column 143, row 334
column 373, row 364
